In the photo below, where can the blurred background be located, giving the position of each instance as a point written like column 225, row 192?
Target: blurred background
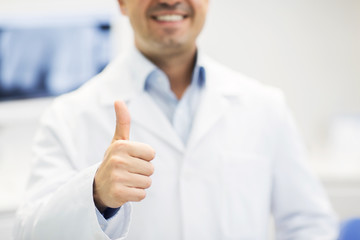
column 310, row 49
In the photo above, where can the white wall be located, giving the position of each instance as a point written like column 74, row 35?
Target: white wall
column 310, row 49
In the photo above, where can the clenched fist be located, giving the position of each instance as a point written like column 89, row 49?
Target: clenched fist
column 125, row 171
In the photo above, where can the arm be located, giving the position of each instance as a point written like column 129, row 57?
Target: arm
column 60, row 201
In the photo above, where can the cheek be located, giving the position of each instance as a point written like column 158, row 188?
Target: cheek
column 138, row 22
column 200, row 9
column 200, row 19
column 200, row 5
column 199, row 2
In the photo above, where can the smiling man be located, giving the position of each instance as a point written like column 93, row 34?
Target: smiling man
column 165, row 32
column 192, row 149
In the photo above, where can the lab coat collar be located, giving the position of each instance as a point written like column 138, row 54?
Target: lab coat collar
column 119, row 84
column 124, row 79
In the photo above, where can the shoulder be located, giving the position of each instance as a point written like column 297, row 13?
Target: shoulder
column 229, row 81
column 74, row 106
column 88, row 96
column 248, row 96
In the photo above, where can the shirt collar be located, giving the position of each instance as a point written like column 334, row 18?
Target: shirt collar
column 199, row 77
column 143, row 70
column 126, row 76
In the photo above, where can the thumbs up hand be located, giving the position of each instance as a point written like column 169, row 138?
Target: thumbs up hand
column 125, row 171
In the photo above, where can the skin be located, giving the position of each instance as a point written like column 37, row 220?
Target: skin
column 125, row 171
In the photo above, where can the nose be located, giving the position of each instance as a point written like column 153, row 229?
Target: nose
column 171, row 5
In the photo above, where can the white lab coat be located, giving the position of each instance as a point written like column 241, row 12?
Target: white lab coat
column 243, row 162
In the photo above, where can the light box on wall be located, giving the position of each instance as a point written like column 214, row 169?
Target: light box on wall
column 51, row 55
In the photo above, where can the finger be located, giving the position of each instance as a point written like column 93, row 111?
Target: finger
column 134, row 149
column 139, row 166
column 135, row 194
column 137, row 181
column 141, row 150
column 122, row 130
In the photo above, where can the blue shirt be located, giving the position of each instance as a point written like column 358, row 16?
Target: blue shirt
column 154, row 81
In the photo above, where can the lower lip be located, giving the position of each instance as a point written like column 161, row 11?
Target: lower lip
column 170, row 23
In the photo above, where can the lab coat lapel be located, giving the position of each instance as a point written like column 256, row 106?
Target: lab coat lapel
column 218, row 95
column 212, row 108
column 119, row 84
column 147, row 114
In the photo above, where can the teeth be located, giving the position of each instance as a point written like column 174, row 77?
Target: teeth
column 170, row 18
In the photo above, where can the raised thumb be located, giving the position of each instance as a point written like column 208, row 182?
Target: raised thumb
column 122, row 130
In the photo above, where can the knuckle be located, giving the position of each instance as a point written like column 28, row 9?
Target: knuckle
column 119, row 162
column 119, row 193
column 118, row 177
column 115, row 192
column 114, row 160
column 113, row 177
column 120, row 144
column 122, row 177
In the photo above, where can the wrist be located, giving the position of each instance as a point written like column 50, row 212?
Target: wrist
column 97, row 201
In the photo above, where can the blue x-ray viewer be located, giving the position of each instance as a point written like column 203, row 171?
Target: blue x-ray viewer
column 49, row 60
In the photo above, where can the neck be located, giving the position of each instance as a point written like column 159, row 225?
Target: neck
column 178, row 67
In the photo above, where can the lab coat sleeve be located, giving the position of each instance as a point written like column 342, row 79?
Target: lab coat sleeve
column 299, row 204
column 114, row 226
column 59, row 201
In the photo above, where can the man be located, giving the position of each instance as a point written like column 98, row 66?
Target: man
column 227, row 154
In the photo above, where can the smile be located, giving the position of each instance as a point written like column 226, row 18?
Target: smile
column 169, row 18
